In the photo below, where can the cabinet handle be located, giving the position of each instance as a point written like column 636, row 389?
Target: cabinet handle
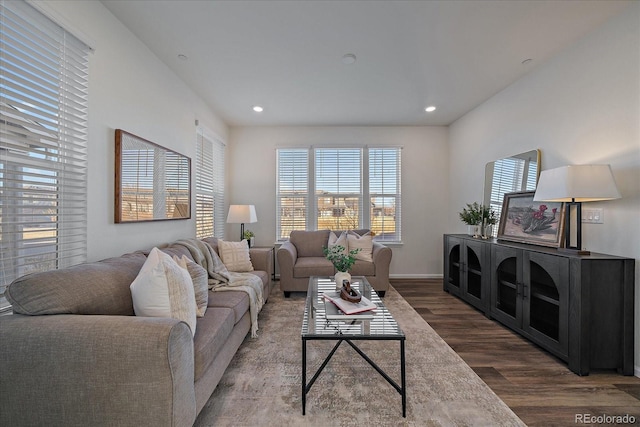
column 524, row 294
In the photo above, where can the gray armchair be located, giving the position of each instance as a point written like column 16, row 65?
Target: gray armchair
column 301, row 257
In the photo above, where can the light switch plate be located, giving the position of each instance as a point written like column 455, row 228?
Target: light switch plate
column 592, row 215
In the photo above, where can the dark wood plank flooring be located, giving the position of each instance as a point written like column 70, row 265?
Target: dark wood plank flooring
column 537, row 386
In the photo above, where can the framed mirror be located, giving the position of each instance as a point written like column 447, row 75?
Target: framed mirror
column 519, row 172
column 152, row 183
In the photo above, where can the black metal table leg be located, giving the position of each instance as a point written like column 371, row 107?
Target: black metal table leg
column 304, row 374
column 403, row 380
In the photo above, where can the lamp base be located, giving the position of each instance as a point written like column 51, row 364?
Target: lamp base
column 574, row 251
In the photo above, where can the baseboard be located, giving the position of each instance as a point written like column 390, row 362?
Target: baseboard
column 415, row 276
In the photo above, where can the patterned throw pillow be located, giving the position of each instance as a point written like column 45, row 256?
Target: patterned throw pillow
column 164, row 289
column 364, row 242
column 200, row 279
column 235, row 255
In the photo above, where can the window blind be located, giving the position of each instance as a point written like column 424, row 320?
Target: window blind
column 43, row 144
column 385, row 192
column 210, row 171
column 338, row 188
column 292, row 191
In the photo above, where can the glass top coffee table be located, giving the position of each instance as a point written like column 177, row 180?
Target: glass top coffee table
column 368, row 326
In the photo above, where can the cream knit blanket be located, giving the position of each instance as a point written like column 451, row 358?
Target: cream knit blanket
column 221, row 279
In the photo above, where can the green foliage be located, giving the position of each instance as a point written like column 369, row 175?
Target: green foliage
column 341, row 261
column 248, row 234
column 475, row 213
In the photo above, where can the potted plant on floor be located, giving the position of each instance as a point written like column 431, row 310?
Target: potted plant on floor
column 342, row 260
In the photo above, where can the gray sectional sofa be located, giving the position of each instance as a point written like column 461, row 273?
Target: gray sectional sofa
column 74, row 354
column 301, row 257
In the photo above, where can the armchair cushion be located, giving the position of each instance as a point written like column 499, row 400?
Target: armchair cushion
column 309, row 243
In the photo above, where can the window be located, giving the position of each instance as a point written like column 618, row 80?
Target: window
column 209, row 186
column 292, row 192
column 351, row 188
column 43, row 145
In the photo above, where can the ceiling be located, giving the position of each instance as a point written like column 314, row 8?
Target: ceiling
column 287, row 55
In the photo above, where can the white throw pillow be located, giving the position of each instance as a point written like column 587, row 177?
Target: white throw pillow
column 235, row 255
column 164, row 289
column 342, row 241
column 364, row 243
column 200, row 279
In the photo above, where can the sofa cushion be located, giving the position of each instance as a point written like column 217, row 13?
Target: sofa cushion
column 211, row 333
column 235, row 255
column 309, row 243
column 164, row 289
column 200, row 279
column 92, row 288
column 313, row 266
column 238, row 301
column 364, row 243
column 339, row 240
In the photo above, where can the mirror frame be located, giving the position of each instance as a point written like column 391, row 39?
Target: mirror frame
column 135, row 204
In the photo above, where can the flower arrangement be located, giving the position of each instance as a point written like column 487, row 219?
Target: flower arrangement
column 476, row 214
column 341, row 260
column 532, row 220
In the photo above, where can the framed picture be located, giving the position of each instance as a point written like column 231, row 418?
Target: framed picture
column 526, row 221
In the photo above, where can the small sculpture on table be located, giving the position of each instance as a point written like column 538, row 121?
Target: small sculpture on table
column 349, row 294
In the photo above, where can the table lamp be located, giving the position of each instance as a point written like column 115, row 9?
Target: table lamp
column 575, row 184
column 242, row 214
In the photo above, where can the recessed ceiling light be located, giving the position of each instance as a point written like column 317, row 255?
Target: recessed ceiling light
column 430, row 109
column 348, row 58
column 182, row 57
column 257, row 109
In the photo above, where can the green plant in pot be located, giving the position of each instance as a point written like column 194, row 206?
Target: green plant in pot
column 342, row 260
column 248, row 235
column 478, row 217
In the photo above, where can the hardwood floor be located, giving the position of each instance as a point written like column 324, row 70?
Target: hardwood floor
column 537, row 386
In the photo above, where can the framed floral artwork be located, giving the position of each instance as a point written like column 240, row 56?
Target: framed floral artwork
column 526, row 221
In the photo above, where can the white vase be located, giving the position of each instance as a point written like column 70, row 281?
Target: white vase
column 340, row 276
column 472, row 230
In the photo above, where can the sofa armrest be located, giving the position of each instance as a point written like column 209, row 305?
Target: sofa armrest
column 287, row 256
column 382, row 260
column 262, row 259
column 96, row 370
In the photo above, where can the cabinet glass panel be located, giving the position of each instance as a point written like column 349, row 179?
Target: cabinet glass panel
column 474, row 274
column 454, row 266
column 507, row 288
column 544, row 308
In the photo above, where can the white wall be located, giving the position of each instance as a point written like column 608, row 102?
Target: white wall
column 252, row 180
column 130, row 89
column 582, row 107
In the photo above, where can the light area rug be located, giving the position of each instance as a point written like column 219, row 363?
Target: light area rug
column 262, row 385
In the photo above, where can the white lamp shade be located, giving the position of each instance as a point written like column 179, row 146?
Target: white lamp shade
column 580, row 183
column 242, row 214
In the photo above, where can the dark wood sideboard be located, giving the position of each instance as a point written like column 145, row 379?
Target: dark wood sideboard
column 579, row 308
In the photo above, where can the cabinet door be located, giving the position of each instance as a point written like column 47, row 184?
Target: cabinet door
column 474, row 282
column 546, row 301
column 506, row 286
column 453, row 265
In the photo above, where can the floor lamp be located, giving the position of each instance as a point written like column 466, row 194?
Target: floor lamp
column 242, row 214
column 574, row 185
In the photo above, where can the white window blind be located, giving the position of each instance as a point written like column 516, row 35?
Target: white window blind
column 384, row 192
column 43, row 144
column 292, row 191
column 338, row 188
column 210, row 215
